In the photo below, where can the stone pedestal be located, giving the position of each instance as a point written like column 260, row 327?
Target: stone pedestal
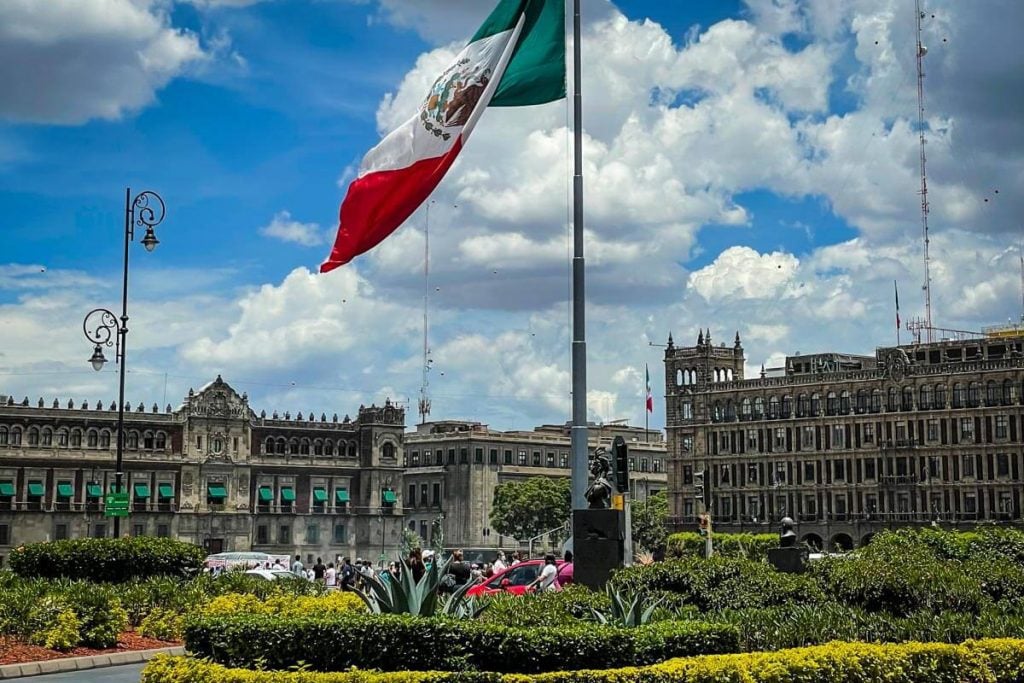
column 598, row 546
column 788, row 560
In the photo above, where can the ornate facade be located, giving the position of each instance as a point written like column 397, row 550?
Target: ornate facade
column 923, row 433
column 454, row 467
column 212, row 472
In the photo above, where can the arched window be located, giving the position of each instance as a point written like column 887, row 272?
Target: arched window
column 844, row 402
column 387, row 451
column 992, row 393
column 33, row 436
column 716, row 413
column 730, row 411
column 924, row 401
column 328, row 447
column 907, row 400
column 133, row 440
column 1007, row 396
column 62, row 437
column 104, row 439
column 803, row 405
column 815, row 404
column 773, row 408
column 876, row 400
column 940, row 396
column 76, row 438
column 693, row 376
column 787, row 406
column 831, row 403
column 268, row 445
column 148, row 440
column 279, row 446
column 893, row 404
column 862, row 400
column 715, row 375
column 680, row 379
column 92, row 439
column 318, row 447
column 47, row 436
column 959, row 395
column 353, row 449
column 293, row 447
column 728, row 374
column 161, row 441
column 4, row 436
column 758, row 408
column 974, row 395
column 304, row 447
column 746, row 409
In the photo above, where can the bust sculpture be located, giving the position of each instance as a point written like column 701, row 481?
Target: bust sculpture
column 787, row 537
column 599, row 493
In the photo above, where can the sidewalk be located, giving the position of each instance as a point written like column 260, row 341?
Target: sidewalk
column 53, row 666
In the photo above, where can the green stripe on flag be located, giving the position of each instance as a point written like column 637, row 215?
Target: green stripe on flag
column 536, row 72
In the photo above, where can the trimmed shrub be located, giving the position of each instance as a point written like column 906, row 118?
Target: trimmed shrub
column 163, row 624
column 719, row 583
column 992, row 661
column 112, row 560
column 394, row 642
column 549, row 608
column 747, row 546
column 335, row 602
column 101, row 615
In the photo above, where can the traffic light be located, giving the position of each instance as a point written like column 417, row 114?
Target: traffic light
column 698, row 487
column 620, row 455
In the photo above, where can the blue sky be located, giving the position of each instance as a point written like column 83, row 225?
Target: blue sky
column 751, row 168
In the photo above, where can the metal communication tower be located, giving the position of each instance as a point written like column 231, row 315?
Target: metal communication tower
column 921, row 52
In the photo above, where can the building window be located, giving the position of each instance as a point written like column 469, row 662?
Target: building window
column 423, row 529
column 451, row 456
column 536, row 458
column 1005, row 504
column 199, row 442
column 563, row 460
column 644, row 464
column 839, row 507
column 522, row 457
column 493, row 456
column 312, row 534
column 869, row 469
column 752, row 474
column 478, row 456
column 463, row 456
column 424, row 501
column 726, row 507
column 808, row 472
column 687, row 410
column 508, row 457
column 751, row 439
column 163, row 531
column 688, row 509
column 839, row 470
column 550, row 459
column 138, row 530
column 687, row 444
column 1002, row 465
column 339, row 533
column 780, row 438
column 838, row 437
column 966, row 429
column 60, row 533
column 92, row 439
column 780, row 475
column 723, row 441
column 971, row 503
column 284, row 535
column 687, row 474
column 1001, row 426
column 415, row 459
column 876, row 400
column 807, row 438
column 869, row 433
column 99, row 530
column 437, row 494
column 412, row 495
column 810, row 507
column 933, row 430
column 967, row 465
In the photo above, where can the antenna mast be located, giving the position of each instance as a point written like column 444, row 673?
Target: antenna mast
column 921, row 52
column 424, row 397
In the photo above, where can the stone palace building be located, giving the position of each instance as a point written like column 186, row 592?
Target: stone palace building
column 846, row 445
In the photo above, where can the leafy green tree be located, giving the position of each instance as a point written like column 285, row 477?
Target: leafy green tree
column 527, row 508
column 650, row 521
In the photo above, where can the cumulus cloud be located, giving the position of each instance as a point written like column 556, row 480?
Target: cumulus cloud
column 741, row 272
column 67, row 62
column 283, row 227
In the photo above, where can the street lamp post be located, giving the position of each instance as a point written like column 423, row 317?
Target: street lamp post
column 101, row 326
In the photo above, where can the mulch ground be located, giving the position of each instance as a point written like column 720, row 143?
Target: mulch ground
column 15, row 651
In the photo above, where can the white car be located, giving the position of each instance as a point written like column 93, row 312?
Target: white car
column 272, row 574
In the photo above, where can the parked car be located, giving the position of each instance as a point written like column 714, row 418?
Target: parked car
column 512, row 580
column 272, row 574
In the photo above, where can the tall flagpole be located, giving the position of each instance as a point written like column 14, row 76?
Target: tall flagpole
column 579, row 345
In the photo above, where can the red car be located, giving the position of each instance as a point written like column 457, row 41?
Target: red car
column 512, row 580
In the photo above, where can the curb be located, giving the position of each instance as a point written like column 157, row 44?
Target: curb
column 53, row 666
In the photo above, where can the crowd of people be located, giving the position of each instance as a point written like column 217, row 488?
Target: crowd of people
column 348, row 574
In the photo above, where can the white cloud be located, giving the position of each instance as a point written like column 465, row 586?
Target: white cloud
column 741, row 272
column 283, row 227
column 67, row 62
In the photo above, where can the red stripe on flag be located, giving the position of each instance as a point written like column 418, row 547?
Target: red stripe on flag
column 378, row 203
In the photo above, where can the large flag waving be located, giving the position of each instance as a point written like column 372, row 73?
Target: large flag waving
column 650, row 396
column 516, row 58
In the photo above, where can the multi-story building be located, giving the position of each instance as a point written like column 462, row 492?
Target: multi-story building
column 453, row 468
column 212, row 472
column 846, row 445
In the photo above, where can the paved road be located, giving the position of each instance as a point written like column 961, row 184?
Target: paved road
column 128, row 673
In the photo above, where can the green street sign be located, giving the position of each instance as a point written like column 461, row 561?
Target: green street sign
column 116, row 505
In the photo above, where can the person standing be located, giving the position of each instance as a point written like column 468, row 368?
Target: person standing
column 416, row 565
column 547, row 580
column 297, row 568
column 459, row 569
column 565, row 572
column 499, row 564
column 319, row 570
column 331, row 577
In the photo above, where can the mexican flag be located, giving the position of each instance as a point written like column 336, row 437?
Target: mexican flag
column 516, row 58
column 650, row 396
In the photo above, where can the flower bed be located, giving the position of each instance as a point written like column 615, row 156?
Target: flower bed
column 18, row 651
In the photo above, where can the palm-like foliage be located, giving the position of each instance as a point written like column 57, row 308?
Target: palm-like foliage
column 405, row 595
column 628, row 609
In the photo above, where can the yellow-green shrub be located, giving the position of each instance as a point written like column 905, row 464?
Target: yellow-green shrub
column 62, row 634
column 284, row 605
column 162, row 624
column 988, row 661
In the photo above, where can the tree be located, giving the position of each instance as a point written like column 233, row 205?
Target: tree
column 528, row 508
column 650, row 520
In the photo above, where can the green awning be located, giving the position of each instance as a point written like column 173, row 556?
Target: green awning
column 266, row 494
column 165, row 491
column 341, row 495
column 94, row 490
column 36, row 489
column 6, row 489
column 65, row 489
column 287, row 494
column 390, row 497
column 319, row 495
column 142, row 491
column 217, row 491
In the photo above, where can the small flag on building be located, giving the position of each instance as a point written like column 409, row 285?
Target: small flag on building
column 896, row 287
column 650, row 396
column 516, row 58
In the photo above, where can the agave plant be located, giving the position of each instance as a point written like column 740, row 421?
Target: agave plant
column 628, row 609
column 405, row 595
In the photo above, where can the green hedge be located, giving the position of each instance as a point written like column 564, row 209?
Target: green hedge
column 719, row 583
column 990, row 661
column 749, row 546
column 112, row 560
column 548, row 608
column 396, row 643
